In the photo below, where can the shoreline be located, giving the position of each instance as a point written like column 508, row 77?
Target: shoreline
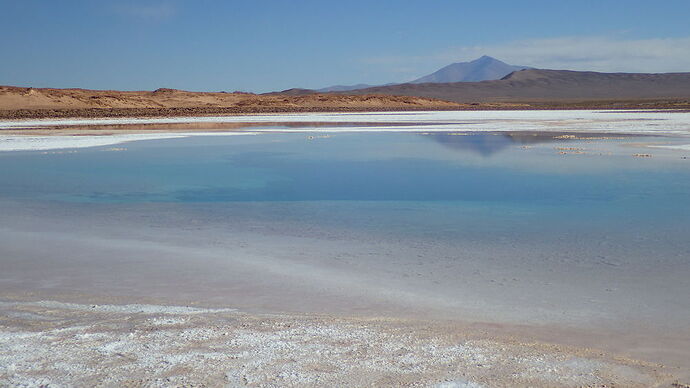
column 631, row 342
column 62, row 133
column 66, row 113
column 652, row 348
column 226, row 346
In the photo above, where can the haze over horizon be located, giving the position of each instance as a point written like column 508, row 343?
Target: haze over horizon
column 272, row 45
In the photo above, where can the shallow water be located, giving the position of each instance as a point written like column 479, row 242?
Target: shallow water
column 526, row 228
column 493, row 168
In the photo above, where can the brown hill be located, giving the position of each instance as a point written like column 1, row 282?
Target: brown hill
column 552, row 85
column 18, row 102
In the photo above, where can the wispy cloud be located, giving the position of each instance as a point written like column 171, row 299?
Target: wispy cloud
column 148, row 11
column 597, row 53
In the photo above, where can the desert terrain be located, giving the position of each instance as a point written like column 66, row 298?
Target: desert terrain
column 18, row 102
column 526, row 89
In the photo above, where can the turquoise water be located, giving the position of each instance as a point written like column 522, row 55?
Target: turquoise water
column 536, row 227
column 453, row 187
column 460, row 170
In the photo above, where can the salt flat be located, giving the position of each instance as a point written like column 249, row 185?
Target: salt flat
column 584, row 117
column 607, row 122
column 49, row 344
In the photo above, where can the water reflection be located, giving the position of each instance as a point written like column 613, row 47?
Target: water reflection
column 489, row 143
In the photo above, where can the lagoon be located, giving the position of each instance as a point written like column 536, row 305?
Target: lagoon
column 576, row 233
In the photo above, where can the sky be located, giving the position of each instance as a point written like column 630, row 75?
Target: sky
column 270, row 45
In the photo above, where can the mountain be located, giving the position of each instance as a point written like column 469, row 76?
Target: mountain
column 549, row 85
column 482, row 69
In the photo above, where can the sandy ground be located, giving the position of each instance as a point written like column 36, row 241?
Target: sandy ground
column 47, row 343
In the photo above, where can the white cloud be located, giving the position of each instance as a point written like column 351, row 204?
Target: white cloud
column 597, row 53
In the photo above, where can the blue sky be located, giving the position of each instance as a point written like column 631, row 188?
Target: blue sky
column 262, row 45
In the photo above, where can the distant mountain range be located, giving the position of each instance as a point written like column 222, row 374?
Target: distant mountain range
column 476, row 81
column 481, row 69
column 549, row 85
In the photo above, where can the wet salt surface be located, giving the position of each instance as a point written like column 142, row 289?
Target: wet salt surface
column 42, row 143
column 611, row 122
column 521, row 229
column 127, row 309
column 113, row 347
column 636, row 120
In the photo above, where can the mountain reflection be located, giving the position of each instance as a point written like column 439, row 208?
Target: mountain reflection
column 488, row 143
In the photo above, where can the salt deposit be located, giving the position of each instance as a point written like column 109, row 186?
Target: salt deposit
column 584, row 121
